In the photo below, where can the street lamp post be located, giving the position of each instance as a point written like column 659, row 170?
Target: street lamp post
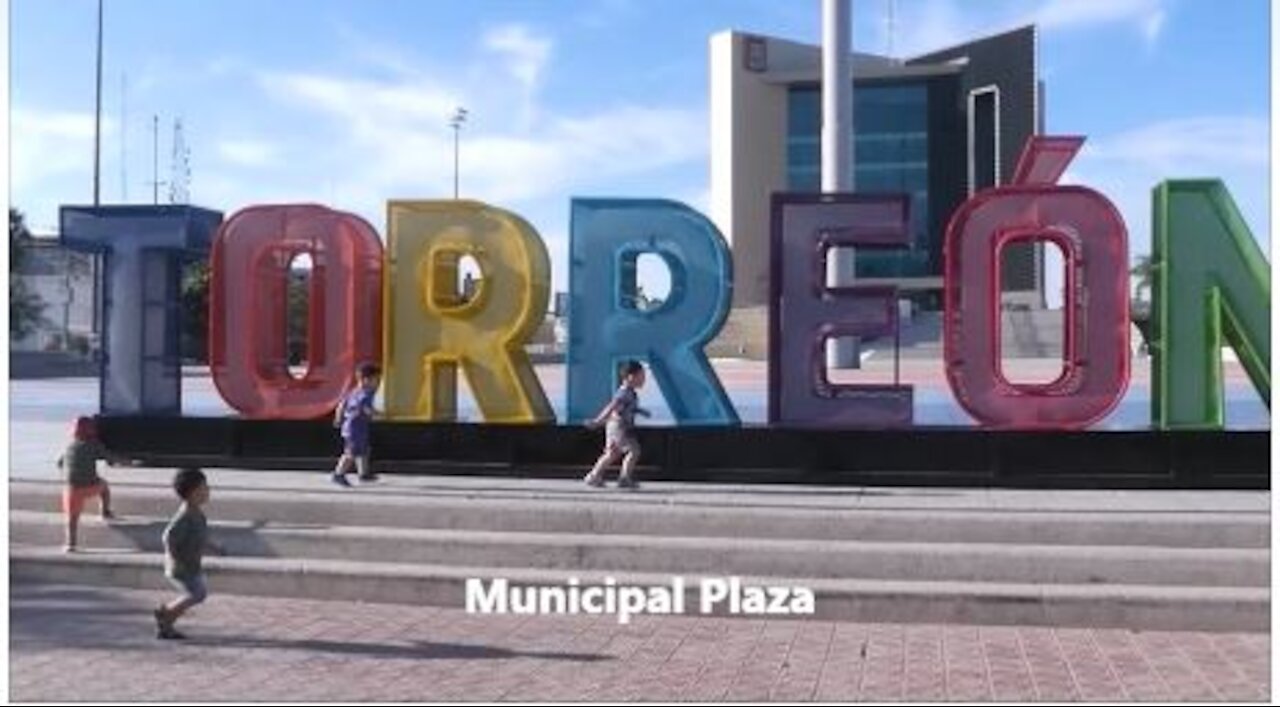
column 455, row 122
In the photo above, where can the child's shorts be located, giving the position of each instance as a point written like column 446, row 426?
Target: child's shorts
column 193, row 587
column 356, row 443
column 74, row 497
column 620, row 440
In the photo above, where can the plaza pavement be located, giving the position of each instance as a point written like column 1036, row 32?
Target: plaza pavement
column 95, row 644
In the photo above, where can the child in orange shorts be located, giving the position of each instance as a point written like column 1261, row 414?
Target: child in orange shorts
column 79, row 464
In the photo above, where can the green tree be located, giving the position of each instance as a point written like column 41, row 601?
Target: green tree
column 195, row 311
column 297, row 317
column 26, row 309
column 1142, row 272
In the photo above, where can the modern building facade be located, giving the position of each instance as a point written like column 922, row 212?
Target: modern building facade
column 938, row 127
column 66, row 282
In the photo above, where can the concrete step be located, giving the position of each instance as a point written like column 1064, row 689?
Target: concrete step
column 968, row 562
column 1122, row 606
column 644, row 514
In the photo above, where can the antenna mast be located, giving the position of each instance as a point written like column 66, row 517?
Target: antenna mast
column 179, row 167
column 155, row 159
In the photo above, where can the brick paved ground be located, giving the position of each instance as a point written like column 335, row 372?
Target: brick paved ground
column 85, row 643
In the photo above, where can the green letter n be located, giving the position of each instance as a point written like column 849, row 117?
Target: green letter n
column 1211, row 280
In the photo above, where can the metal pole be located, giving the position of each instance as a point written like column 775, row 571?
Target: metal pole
column 97, row 119
column 124, row 139
column 837, row 146
column 455, row 121
column 155, row 159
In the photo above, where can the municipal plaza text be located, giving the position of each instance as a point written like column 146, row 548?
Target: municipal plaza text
column 725, row 595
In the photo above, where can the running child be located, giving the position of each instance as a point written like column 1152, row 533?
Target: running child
column 355, row 415
column 185, row 541
column 619, row 419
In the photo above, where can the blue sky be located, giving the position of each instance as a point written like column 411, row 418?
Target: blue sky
column 346, row 102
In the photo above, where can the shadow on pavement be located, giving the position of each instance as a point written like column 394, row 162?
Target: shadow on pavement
column 44, row 617
column 417, row 650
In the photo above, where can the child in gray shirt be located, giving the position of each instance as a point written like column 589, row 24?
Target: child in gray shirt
column 619, row 419
column 79, row 463
column 185, row 540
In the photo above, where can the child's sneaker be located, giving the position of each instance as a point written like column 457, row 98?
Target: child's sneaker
column 369, row 478
column 68, row 549
column 164, row 629
column 169, row 633
column 593, row 481
column 340, row 480
column 628, row 483
column 108, row 516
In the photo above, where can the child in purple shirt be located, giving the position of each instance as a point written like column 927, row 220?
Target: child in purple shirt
column 354, row 415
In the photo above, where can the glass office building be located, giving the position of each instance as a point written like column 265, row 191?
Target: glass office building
column 937, row 127
column 891, row 155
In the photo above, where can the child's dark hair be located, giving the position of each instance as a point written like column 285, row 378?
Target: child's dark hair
column 630, row 367
column 85, row 429
column 187, row 480
column 368, row 370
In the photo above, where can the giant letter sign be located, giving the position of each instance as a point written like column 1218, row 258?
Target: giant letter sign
column 605, row 328
column 1091, row 234
column 806, row 229
column 248, row 308
column 142, row 248
column 1211, row 283
column 431, row 330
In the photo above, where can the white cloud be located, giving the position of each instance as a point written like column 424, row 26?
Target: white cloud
column 51, row 161
column 388, row 137
column 1127, row 166
column 1152, row 25
column 1189, row 142
column 47, row 143
column 379, row 130
column 1145, row 16
column 247, row 152
column 367, row 102
column 525, row 55
column 936, row 24
column 394, row 135
column 526, row 51
column 1083, row 13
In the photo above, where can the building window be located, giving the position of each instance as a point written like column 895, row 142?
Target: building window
column 984, row 138
column 756, row 57
column 891, row 155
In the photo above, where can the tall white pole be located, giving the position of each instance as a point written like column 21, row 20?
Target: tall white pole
column 124, row 139
column 97, row 118
column 837, row 144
